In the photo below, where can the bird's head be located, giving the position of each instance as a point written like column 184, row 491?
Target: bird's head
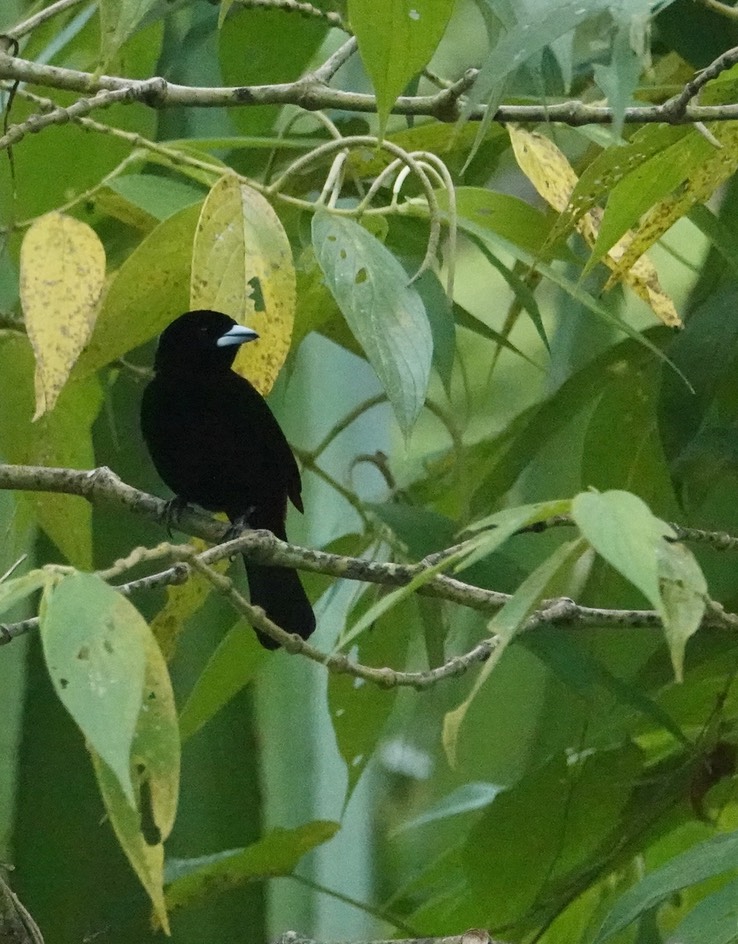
column 201, row 341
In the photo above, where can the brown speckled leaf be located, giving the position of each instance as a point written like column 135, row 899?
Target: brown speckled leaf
column 242, row 265
column 554, row 178
column 62, row 272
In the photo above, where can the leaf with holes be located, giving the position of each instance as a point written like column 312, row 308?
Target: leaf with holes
column 242, row 265
column 385, row 313
column 94, row 644
column 155, row 761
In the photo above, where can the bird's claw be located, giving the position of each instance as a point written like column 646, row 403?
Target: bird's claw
column 239, row 525
column 173, row 512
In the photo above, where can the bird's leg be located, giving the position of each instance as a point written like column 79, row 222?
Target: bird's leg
column 239, row 524
column 172, row 512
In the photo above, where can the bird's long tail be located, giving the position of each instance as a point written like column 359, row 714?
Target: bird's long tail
column 278, row 591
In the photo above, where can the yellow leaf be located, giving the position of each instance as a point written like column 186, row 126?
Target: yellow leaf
column 182, row 602
column 544, row 165
column 62, row 272
column 242, row 265
column 701, row 183
column 554, row 178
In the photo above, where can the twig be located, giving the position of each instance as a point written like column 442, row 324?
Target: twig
column 294, row 6
column 333, row 63
column 42, row 16
column 81, row 108
column 474, row 936
column 343, row 424
column 722, row 8
column 676, row 107
column 16, row 922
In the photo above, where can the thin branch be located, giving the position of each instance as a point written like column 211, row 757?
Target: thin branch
column 343, row 424
column 473, row 936
column 81, row 108
column 295, row 6
column 333, row 63
column 677, row 105
column 310, row 95
column 722, row 8
column 27, row 26
column 16, row 922
column 104, row 487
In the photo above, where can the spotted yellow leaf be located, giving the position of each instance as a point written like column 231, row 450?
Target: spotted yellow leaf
column 62, row 272
column 242, row 265
column 699, row 185
column 554, row 178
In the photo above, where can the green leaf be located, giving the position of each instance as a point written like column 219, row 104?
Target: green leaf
column 619, row 79
column 622, row 448
column 518, row 44
column 465, row 319
column 703, row 861
column 614, row 164
column 61, row 438
column 385, row 313
column 467, row 798
column 360, row 710
column 144, row 200
column 262, row 46
column 441, row 319
column 503, row 458
column 705, row 352
column 190, row 880
column 509, row 520
column 714, row 920
column 506, row 624
column 650, row 181
column 569, row 807
column 622, row 529
column 481, row 211
column 118, row 20
column 150, row 289
column 15, row 589
column 683, row 598
column 94, row 646
column 477, row 226
column 577, row 667
column 720, row 235
column 396, row 40
column 699, row 184
column 155, row 762
column 232, row 666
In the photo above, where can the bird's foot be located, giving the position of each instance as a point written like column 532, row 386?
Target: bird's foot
column 173, row 512
column 239, row 525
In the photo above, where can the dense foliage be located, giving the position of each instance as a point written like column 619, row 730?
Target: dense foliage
column 518, row 440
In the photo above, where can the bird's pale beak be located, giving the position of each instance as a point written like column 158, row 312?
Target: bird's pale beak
column 238, row 334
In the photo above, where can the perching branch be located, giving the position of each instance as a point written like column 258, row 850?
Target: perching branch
column 101, row 486
column 312, row 93
column 473, row 936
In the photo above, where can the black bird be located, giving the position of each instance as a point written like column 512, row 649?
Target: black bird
column 216, row 443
